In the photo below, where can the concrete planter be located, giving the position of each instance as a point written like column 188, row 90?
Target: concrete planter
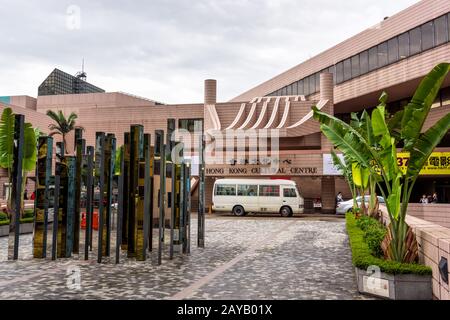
column 24, row 228
column 4, row 230
column 395, row 287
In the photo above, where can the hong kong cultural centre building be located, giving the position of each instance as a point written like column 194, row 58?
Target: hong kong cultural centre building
column 393, row 56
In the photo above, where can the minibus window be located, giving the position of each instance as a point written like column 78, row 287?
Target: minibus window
column 225, row 190
column 247, row 190
column 269, row 191
column 289, row 193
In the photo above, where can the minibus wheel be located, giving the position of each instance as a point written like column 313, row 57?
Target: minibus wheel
column 238, row 211
column 285, row 211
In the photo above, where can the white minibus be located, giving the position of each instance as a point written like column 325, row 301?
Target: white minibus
column 241, row 196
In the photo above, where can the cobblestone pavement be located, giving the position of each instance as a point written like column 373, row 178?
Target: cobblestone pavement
column 247, row 258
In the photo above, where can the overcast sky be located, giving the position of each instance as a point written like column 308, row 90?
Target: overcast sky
column 164, row 49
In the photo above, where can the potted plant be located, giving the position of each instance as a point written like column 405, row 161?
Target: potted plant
column 373, row 149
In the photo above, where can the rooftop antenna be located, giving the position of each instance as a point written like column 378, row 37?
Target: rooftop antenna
column 81, row 74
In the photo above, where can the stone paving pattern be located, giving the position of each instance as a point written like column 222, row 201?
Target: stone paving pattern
column 244, row 258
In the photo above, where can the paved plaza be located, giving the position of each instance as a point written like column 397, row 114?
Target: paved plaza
column 244, row 258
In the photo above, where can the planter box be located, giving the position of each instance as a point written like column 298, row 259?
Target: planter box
column 24, row 228
column 4, row 230
column 395, row 287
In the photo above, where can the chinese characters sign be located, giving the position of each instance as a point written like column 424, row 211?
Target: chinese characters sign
column 437, row 164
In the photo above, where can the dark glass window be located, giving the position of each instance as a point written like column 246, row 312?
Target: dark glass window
column 448, row 25
column 415, row 40
column 403, row 45
column 364, row 62
column 355, row 66
column 225, row 190
column 300, row 87
column 312, row 83
column 382, row 54
column 284, row 91
column 289, row 90
column 332, row 70
column 269, row 191
column 318, row 81
column 188, row 124
column 373, row 58
column 393, row 50
column 427, row 35
column 289, row 193
column 347, row 69
column 306, row 86
column 294, row 89
column 440, row 30
column 247, row 190
column 339, row 72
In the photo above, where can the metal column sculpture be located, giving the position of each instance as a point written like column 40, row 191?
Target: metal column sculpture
column 16, row 190
column 43, row 174
column 136, row 150
column 120, row 204
column 142, row 212
column 89, row 200
column 110, row 154
column 100, row 175
column 79, row 151
column 160, row 168
column 125, row 190
column 201, row 188
column 151, row 192
column 56, row 215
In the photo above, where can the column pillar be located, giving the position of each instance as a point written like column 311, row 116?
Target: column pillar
column 328, row 183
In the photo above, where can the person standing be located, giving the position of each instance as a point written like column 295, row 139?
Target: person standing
column 434, row 198
column 424, row 199
column 339, row 198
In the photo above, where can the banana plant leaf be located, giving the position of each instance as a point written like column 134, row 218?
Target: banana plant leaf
column 417, row 110
column 360, row 175
column 425, row 144
column 6, row 138
column 29, row 148
column 344, row 137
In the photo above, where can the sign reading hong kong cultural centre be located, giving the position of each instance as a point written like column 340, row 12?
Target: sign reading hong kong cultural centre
column 310, row 165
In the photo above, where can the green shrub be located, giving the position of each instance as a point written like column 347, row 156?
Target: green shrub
column 27, row 220
column 362, row 257
column 4, row 222
column 365, row 222
column 373, row 236
column 28, row 213
column 3, row 216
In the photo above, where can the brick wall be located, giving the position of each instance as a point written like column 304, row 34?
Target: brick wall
column 435, row 213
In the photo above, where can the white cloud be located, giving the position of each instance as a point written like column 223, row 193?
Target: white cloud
column 163, row 49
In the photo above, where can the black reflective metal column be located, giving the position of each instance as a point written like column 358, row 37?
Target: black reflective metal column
column 110, row 152
column 136, row 150
column 151, row 192
column 79, row 151
column 187, row 226
column 125, row 190
column 16, row 190
column 61, row 172
column 160, row 168
column 70, row 203
column 201, row 188
column 56, row 215
column 43, row 175
column 120, row 198
column 100, row 174
column 141, row 210
column 89, row 200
